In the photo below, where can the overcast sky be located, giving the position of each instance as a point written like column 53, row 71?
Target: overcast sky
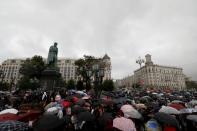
column 124, row 29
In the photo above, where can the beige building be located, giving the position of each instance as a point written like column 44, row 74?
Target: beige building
column 104, row 63
column 107, row 69
column 152, row 75
column 67, row 68
column 10, row 70
column 126, row 82
column 156, row 76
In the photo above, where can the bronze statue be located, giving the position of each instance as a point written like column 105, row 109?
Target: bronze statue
column 52, row 56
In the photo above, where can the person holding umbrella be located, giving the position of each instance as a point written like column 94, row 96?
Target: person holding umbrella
column 123, row 124
column 168, row 122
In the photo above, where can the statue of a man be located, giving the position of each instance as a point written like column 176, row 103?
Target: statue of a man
column 52, row 56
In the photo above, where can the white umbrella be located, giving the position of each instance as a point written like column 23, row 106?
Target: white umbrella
column 86, row 97
column 140, row 106
column 129, row 111
column 192, row 103
column 81, row 92
column 192, row 118
column 188, row 110
column 124, row 124
column 52, row 104
column 13, row 111
column 169, row 110
column 52, row 110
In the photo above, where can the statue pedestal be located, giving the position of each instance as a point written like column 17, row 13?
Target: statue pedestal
column 49, row 78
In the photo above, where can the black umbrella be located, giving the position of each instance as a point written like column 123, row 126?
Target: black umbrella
column 80, row 102
column 13, row 126
column 78, row 95
column 48, row 122
column 166, row 119
column 85, row 116
column 120, row 100
column 192, row 118
column 145, row 99
column 76, row 109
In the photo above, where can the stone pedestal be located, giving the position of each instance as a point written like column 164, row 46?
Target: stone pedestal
column 49, row 78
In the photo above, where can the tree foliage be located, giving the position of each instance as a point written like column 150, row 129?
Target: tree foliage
column 4, row 86
column 26, row 83
column 191, row 84
column 80, row 85
column 136, row 85
column 108, row 85
column 71, row 84
column 60, row 82
column 31, row 71
column 33, row 67
column 84, row 64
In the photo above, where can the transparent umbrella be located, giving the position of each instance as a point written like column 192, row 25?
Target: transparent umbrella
column 169, row 110
column 130, row 111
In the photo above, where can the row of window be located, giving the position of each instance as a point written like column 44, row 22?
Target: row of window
column 173, row 71
column 9, row 67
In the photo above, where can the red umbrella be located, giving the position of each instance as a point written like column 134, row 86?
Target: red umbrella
column 176, row 106
column 75, row 99
column 66, row 104
column 9, row 116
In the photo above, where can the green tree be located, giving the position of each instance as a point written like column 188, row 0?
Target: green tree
column 24, row 83
column 83, row 65
column 191, row 84
column 33, row 67
column 4, row 86
column 31, row 71
column 71, row 84
column 108, row 85
column 60, row 82
column 136, row 85
column 80, row 85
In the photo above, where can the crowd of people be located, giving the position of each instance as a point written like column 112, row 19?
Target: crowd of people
column 131, row 110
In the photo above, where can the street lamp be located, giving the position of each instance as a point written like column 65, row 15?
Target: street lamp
column 140, row 61
column 98, row 70
column 89, row 73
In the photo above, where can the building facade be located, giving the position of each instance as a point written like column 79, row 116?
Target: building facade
column 107, row 68
column 10, row 70
column 126, row 82
column 158, row 76
column 67, row 68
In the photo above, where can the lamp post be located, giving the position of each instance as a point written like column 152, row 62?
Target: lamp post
column 140, row 61
column 98, row 70
column 94, row 74
column 88, row 79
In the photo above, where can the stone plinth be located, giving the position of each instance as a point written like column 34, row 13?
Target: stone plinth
column 49, row 78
